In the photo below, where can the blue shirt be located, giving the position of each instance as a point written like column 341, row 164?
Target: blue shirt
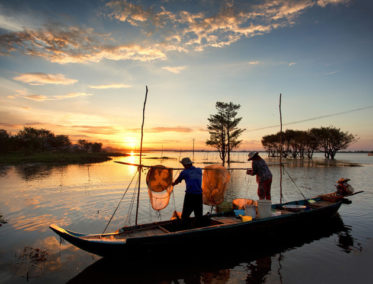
column 193, row 180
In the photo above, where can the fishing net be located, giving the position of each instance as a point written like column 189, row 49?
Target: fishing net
column 241, row 203
column 214, row 183
column 159, row 182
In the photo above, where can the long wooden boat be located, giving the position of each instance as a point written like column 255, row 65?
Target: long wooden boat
column 210, row 231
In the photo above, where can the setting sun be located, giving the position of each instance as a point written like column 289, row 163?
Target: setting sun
column 130, row 142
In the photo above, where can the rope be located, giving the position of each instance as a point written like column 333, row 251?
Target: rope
column 119, row 203
column 173, row 191
column 295, row 184
column 132, row 202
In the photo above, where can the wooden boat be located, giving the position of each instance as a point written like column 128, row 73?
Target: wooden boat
column 211, row 230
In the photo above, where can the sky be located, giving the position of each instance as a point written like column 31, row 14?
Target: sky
column 80, row 68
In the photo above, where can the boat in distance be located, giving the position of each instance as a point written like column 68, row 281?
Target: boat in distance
column 210, row 231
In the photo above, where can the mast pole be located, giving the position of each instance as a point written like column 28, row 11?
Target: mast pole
column 140, row 165
column 280, row 149
column 193, row 149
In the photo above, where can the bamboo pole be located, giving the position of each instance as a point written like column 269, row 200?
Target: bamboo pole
column 193, row 151
column 140, row 165
column 280, row 150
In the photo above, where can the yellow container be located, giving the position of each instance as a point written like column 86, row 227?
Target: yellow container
column 246, row 218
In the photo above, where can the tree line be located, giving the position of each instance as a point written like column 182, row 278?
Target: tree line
column 299, row 143
column 224, row 136
column 31, row 140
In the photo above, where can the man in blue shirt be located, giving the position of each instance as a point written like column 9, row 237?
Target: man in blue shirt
column 193, row 192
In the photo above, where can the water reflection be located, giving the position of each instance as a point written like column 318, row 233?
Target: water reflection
column 258, row 270
column 346, row 241
column 40, row 171
column 4, row 170
column 209, row 266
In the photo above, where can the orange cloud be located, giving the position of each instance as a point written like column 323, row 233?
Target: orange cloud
column 57, row 97
column 110, row 86
column 74, row 45
column 197, row 31
column 165, row 129
column 38, row 98
column 42, row 79
column 162, row 31
column 107, row 130
column 174, row 69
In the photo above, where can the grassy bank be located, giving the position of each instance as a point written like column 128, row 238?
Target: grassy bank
column 56, row 157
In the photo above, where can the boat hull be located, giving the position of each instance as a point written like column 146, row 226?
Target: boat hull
column 204, row 237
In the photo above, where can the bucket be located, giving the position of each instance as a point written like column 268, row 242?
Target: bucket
column 264, row 208
column 250, row 210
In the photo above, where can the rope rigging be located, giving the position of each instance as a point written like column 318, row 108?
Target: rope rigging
column 292, row 180
column 119, row 202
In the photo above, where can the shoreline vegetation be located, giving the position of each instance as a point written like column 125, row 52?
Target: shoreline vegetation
column 57, row 157
column 32, row 145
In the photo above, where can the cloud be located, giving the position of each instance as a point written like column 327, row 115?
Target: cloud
column 35, row 97
column 323, row 3
column 38, row 98
column 110, row 86
column 292, row 63
column 63, row 45
column 331, row 73
column 72, row 95
column 42, row 79
column 214, row 27
column 159, row 30
column 164, row 129
column 170, row 129
column 107, row 130
column 174, row 69
column 254, row 62
column 10, row 24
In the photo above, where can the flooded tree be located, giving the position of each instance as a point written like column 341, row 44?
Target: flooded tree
column 332, row 140
column 298, row 143
column 223, row 129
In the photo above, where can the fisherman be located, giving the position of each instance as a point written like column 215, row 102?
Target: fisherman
column 193, row 192
column 263, row 175
column 343, row 188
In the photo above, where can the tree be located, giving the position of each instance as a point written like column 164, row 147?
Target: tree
column 338, row 140
column 4, row 141
column 312, row 143
column 33, row 139
column 223, row 129
column 298, row 143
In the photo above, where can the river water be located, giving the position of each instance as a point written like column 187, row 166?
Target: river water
column 82, row 198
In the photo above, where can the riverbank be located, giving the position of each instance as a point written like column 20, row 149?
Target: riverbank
column 57, row 157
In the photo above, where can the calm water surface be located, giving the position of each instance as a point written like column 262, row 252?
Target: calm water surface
column 83, row 197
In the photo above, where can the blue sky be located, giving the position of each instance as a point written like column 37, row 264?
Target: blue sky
column 80, row 67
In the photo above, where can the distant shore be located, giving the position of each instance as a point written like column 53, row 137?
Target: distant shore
column 57, row 157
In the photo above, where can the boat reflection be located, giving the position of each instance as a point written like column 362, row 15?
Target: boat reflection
column 211, row 265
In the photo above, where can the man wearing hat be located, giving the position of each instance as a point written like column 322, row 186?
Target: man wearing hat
column 263, row 175
column 193, row 192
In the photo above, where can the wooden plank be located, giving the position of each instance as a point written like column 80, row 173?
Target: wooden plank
column 227, row 220
column 163, row 229
column 144, row 233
